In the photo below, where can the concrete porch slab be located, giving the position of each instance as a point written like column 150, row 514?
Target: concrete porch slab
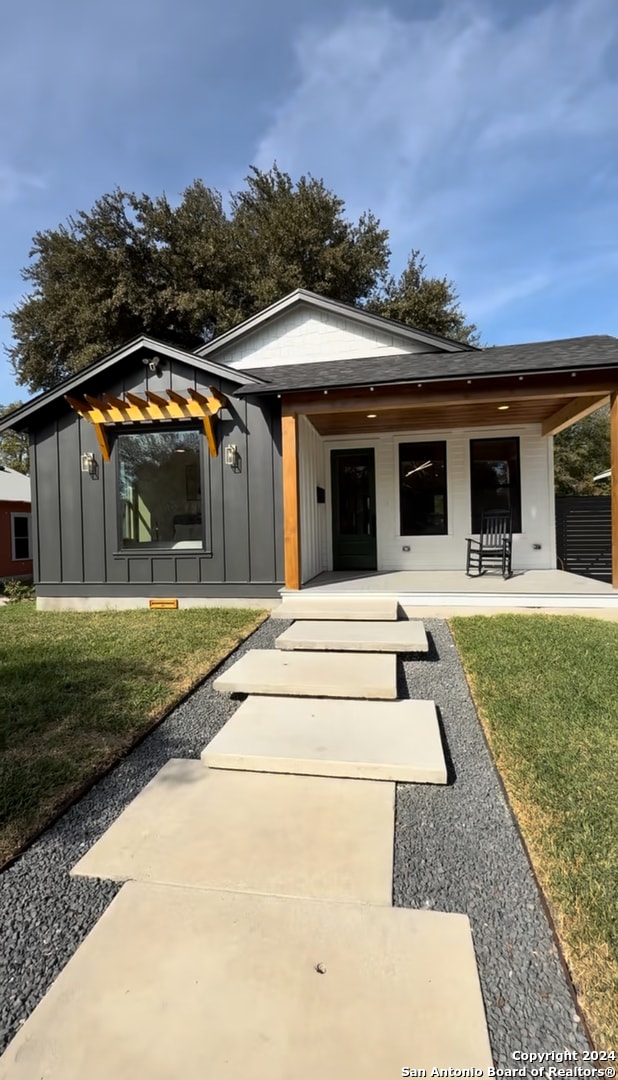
column 253, row 832
column 181, row 982
column 370, row 740
column 310, row 674
column 391, row 637
column 307, row 605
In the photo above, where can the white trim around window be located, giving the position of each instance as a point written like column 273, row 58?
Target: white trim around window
column 21, row 538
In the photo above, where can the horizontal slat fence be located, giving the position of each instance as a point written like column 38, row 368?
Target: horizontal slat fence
column 584, row 535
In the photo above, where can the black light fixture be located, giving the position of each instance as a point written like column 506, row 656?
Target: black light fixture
column 154, row 364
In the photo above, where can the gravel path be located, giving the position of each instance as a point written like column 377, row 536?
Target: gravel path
column 456, row 849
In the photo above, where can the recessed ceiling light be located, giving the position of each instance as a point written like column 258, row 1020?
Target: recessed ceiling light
column 504, row 406
column 371, row 415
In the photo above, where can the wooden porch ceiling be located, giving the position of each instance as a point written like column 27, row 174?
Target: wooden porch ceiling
column 554, row 401
column 448, row 416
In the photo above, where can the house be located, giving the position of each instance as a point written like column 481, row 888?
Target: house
column 313, row 438
column 15, row 544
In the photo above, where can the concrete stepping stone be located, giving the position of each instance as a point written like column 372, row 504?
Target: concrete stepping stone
column 253, row 832
column 195, row 984
column 311, row 674
column 366, row 608
column 371, row 740
column 405, row 637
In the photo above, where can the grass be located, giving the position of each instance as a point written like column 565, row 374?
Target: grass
column 546, row 689
column 77, row 690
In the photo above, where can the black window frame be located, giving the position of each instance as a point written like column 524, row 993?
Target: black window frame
column 423, row 443
column 516, row 511
column 147, row 551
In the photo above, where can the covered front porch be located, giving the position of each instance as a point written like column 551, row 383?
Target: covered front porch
column 453, row 588
column 430, row 456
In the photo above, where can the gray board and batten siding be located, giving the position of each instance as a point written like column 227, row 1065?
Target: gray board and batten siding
column 77, row 552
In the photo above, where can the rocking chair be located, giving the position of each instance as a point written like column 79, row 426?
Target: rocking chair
column 493, row 547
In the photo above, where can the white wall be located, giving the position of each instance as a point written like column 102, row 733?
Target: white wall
column 303, row 336
column 432, row 552
column 311, row 474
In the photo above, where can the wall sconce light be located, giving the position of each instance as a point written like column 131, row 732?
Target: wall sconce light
column 233, row 458
column 89, row 464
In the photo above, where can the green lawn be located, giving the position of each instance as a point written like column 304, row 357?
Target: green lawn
column 547, row 692
column 78, row 689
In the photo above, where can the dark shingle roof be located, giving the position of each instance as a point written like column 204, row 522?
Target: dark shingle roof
column 569, row 354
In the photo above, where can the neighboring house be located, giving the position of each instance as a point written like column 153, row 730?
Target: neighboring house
column 15, row 541
column 312, row 437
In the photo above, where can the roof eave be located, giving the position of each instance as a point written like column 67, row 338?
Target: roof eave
column 263, row 389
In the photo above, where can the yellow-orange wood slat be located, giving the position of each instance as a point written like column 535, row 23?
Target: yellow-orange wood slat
column 117, row 402
column 81, row 407
column 211, row 404
column 218, row 396
column 95, row 402
column 135, row 399
column 157, row 399
column 173, row 395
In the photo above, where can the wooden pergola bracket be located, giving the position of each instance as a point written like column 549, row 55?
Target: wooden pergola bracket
column 110, row 409
column 210, row 435
column 102, row 441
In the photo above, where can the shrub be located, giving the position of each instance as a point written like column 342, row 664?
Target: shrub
column 17, row 590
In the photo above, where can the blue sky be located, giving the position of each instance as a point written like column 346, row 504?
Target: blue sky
column 483, row 133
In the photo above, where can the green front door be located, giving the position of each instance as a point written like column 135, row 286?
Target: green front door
column 354, row 510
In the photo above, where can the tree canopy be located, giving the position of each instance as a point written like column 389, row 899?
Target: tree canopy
column 14, row 452
column 581, row 452
column 184, row 273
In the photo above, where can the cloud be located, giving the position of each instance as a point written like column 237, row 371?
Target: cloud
column 13, row 183
column 489, row 142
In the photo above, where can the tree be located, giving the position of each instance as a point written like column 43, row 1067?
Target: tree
column 581, row 452
column 186, row 273
column 14, row 453
column 430, row 304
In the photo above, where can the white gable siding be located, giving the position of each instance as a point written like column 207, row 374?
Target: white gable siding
column 449, row 552
column 304, row 337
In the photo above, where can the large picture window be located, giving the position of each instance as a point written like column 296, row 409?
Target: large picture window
column 422, row 489
column 160, row 489
column 495, row 479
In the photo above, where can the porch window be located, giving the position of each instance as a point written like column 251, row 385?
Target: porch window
column 20, row 537
column 160, row 489
column 422, row 489
column 495, row 479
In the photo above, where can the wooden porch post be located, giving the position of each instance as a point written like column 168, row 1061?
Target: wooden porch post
column 291, row 522
column 613, row 428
